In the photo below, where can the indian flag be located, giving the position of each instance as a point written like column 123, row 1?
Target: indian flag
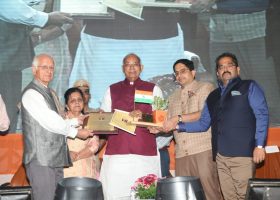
column 142, row 96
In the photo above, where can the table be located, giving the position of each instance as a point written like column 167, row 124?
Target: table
column 270, row 168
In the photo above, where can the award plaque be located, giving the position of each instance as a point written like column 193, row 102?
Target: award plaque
column 146, row 124
column 99, row 123
column 155, row 119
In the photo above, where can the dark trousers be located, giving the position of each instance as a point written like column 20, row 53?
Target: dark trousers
column 43, row 180
column 164, row 162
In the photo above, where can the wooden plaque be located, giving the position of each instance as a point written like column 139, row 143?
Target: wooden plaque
column 145, row 124
column 99, row 123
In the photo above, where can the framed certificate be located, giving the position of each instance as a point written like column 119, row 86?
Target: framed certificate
column 99, row 123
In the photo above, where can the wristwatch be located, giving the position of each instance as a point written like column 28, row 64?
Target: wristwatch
column 259, row 147
column 180, row 119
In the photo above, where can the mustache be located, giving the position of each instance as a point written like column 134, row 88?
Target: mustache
column 226, row 72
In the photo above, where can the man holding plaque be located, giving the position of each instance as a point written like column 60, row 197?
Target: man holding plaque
column 128, row 156
column 238, row 115
column 44, row 131
column 193, row 152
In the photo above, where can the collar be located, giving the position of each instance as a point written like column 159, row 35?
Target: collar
column 132, row 83
column 232, row 81
column 42, row 86
column 40, row 83
column 190, row 86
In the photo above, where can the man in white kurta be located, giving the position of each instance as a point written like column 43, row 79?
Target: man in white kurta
column 128, row 156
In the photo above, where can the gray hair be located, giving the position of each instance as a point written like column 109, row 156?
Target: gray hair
column 37, row 58
column 132, row 55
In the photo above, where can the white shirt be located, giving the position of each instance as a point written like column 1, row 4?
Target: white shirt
column 36, row 106
column 17, row 11
column 4, row 119
column 107, row 101
column 164, row 140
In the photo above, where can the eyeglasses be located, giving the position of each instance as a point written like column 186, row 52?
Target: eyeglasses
column 45, row 67
column 228, row 66
column 182, row 71
column 131, row 65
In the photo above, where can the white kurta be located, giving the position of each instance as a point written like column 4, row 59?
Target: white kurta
column 119, row 172
column 36, row 106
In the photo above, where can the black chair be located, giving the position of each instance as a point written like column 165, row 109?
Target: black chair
column 76, row 188
column 180, row 188
column 263, row 189
column 16, row 193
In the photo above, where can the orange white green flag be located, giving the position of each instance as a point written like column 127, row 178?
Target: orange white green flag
column 142, row 96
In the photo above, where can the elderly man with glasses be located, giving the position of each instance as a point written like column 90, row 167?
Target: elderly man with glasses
column 128, row 156
column 45, row 131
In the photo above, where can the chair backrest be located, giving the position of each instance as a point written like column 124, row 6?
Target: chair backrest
column 20, row 178
column 11, row 152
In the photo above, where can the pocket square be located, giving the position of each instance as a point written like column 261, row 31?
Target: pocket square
column 235, row 93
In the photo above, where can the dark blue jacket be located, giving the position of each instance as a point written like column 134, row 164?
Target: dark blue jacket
column 232, row 120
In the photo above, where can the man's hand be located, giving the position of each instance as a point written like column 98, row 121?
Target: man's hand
column 73, row 155
column 66, row 27
column 136, row 114
column 59, row 18
column 155, row 130
column 258, row 155
column 199, row 6
column 170, row 124
column 84, row 133
column 81, row 119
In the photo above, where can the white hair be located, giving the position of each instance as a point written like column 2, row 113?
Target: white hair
column 36, row 59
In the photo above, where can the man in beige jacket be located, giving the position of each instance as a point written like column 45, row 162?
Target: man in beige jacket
column 193, row 150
